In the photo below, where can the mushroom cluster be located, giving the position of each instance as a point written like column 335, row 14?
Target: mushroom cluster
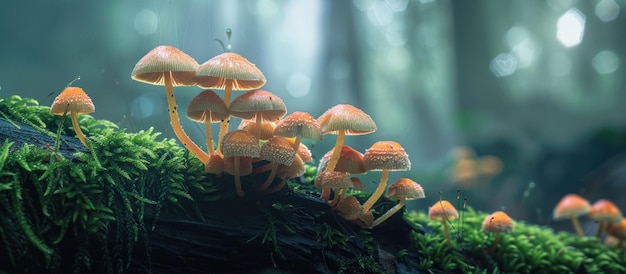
column 604, row 212
column 266, row 134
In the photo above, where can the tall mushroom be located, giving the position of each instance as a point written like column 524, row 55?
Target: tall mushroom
column 443, row 211
column 403, row 189
column 168, row 66
column 385, row 156
column 73, row 100
column 228, row 71
column 236, row 144
column 343, row 119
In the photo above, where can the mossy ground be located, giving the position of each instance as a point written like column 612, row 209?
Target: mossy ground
column 72, row 209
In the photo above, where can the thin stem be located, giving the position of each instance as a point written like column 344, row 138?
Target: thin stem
column 579, row 230
column 390, row 212
column 270, row 178
column 378, row 192
column 79, row 132
column 225, row 123
column 238, row 188
column 209, row 137
column 175, row 122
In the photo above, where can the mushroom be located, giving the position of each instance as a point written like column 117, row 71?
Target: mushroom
column 350, row 162
column 278, row 151
column 349, row 208
column 296, row 169
column 333, row 180
column 344, row 119
column 570, row 207
column 266, row 131
column 604, row 212
column 207, row 107
column 386, row 156
column 403, row 189
column 237, row 144
column 299, row 124
column 497, row 222
column 259, row 104
column 617, row 230
column 75, row 101
column 169, row 66
column 444, row 212
column 228, row 71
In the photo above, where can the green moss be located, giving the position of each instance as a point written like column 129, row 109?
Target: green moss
column 57, row 203
column 529, row 249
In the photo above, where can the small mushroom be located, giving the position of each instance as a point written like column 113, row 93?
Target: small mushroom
column 497, row 222
column 617, row 230
column 238, row 144
column 604, row 212
column 73, row 100
column 278, row 151
column 207, row 108
column 444, row 212
column 570, row 207
column 260, row 105
column 300, row 125
column 403, row 189
column 385, row 156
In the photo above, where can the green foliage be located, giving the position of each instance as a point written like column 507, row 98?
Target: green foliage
column 529, row 249
column 87, row 199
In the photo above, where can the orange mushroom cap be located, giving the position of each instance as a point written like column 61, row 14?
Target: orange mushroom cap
column 442, row 210
column 296, row 169
column 348, row 118
column 205, row 103
column 151, row 68
column 333, row 179
column 229, row 65
column 258, row 102
column 498, row 222
column 267, row 128
column 72, row 99
column 571, row 204
column 604, row 210
column 350, row 161
column 299, row 124
column 349, row 208
column 405, row 188
column 617, row 230
column 278, row 150
column 240, row 143
column 386, row 155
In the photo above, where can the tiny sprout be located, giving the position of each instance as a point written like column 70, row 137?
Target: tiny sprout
column 226, row 47
column 72, row 82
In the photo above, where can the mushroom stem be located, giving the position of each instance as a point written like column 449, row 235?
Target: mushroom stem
column 390, row 212
column 445, row 232
column 378, row 192
column 79, row 132
column 257, row 127
column 225, row 123
column 209, row 137
column 175, row 122
column 240, row 192
column 601, row 229
column 296, row 145
column 270, row 178
column 576, row 224
column 277, row 187
column 495, row 243
column 334, row 158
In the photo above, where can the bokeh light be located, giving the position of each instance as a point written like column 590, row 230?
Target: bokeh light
column 146, row 22
column 605, row 62
column 570, row 28
column 607, row 10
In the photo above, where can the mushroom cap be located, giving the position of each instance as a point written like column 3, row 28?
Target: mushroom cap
column 240, row 143
column 349, row 208
column 229, row 65
column 296, row 169
column 405, row 188
column 245, row 165
column 278, row 150
column 605, row 211
column 205, row 103
column 72, row 99
column 267, row 128
column 350, row 161
column 570, row 204
column 258, row 102
column 348, row 118
column 299, row 124
column 152, row 67
column 498, row 222
column 617, row 230
column 215, row 164
column 358, row 185
column 442, row 210
column 333, row 179
column 304, row 153
column 386, row 155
